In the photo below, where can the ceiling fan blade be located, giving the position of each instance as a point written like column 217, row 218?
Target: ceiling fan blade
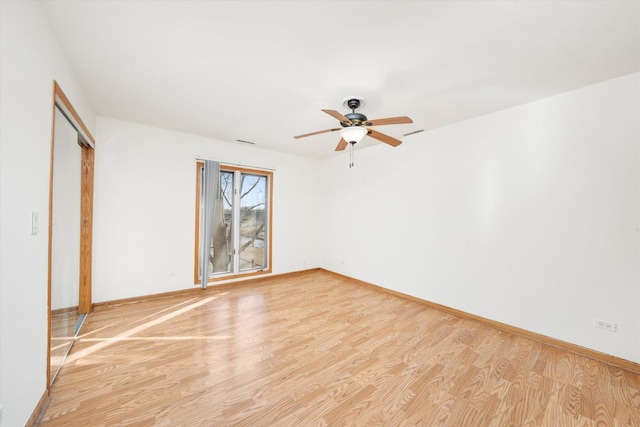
column 341, row 145
column 389, row 121
column 337, row 115
column 384, row 138
column 316, row 133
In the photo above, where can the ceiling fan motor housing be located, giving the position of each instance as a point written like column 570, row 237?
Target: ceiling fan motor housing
column 357, row 119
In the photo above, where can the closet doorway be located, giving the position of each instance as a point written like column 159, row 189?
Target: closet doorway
column 70, row 229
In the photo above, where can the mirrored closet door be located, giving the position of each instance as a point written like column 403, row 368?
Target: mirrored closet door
column 65, row 240
column 70, row 230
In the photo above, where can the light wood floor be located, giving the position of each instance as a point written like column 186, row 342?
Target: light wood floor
column 318, row 350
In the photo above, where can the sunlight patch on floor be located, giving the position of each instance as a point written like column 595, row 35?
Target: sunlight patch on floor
column 104, row 342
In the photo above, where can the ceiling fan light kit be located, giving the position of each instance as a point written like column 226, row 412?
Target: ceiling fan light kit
column 353, row 134
column 354, row 126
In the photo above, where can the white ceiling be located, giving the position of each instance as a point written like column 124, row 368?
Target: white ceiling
column 261, row 70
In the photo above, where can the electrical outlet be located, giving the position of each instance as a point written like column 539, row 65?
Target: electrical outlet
column 603, row 324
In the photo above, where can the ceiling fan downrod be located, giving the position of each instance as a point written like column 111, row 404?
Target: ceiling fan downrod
column 357, row 119
column 354, row 104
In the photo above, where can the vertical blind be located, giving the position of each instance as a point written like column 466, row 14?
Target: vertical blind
column 210, row 190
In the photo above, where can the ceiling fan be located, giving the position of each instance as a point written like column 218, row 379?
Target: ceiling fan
column 355, row 126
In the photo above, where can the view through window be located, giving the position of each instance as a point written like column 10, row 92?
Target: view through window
column 240, row 244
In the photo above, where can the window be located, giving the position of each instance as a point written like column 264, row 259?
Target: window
column 241, row 229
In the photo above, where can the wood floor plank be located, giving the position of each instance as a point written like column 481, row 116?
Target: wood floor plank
column 319, row 350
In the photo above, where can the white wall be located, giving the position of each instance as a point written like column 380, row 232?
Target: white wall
column 144, row 211
column 528, row 216
column 30, row 59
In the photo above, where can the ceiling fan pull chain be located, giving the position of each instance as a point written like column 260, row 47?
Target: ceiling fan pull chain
column 351, row 155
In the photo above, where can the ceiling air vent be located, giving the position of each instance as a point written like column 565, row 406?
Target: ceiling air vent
column 414, row 132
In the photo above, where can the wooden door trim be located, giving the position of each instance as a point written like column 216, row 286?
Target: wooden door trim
column 86, row 230
column 58, row 94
